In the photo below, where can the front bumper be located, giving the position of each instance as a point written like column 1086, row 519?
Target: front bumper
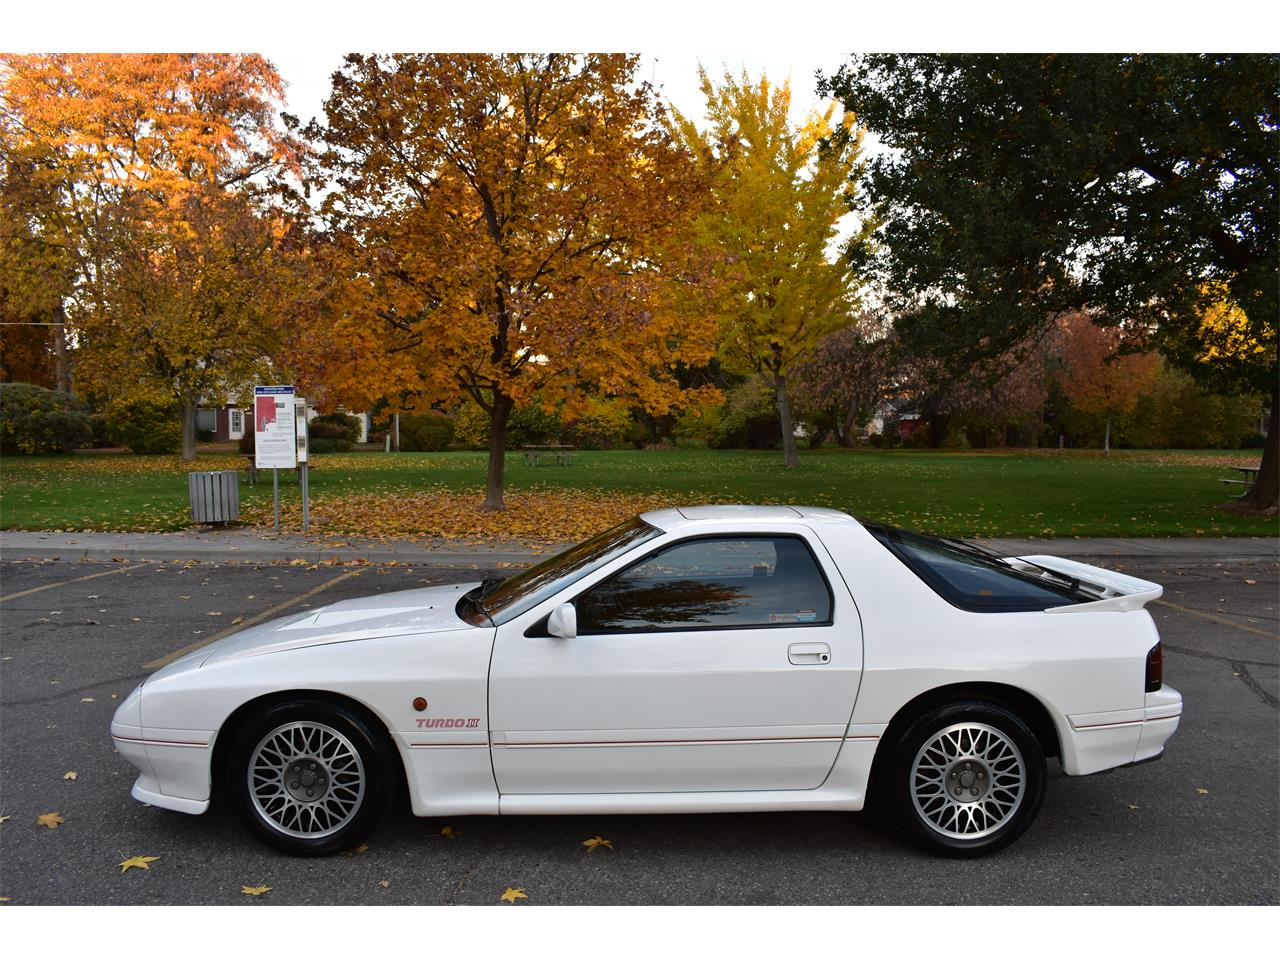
column 173, row 765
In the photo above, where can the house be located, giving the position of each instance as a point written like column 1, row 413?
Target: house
column 895, row 410
column 225, row 422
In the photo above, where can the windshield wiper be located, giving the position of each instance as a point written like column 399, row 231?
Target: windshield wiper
column 485, row 588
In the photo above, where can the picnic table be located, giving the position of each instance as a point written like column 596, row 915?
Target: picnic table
column 1249, row 478
column 560, row 454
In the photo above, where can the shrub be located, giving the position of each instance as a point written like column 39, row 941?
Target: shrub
column 328, row 445
column 749, row 419
column 698, row 423
column 602, row 425
column 528, row 425
column 425, row 432
column 145, row 425
column 334, row 426
column 36, row 420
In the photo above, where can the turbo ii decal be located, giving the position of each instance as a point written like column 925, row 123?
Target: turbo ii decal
column 453, row 722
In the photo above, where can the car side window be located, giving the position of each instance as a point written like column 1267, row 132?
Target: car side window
column 710, row 583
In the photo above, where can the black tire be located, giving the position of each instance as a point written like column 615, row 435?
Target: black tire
column 990, row 812
column 349, row 762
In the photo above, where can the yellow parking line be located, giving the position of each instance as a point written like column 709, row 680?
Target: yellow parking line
column 63, row 583
column 1222, row 620
column 265, row 614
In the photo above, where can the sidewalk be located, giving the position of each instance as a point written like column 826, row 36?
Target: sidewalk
column 248, row 547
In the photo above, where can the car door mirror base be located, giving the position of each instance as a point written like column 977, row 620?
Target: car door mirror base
column 563, row 622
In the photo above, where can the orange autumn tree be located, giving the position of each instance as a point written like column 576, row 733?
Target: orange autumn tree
column 1099, row 376
column 514, row 231
column 149, row 174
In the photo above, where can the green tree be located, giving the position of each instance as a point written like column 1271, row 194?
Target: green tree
column 778, row 194
column 1018, row 187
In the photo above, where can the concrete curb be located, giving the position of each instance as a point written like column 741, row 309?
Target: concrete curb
column 239, row 549
column 244, row 547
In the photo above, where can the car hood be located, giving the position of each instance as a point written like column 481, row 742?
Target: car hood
column 426, row 610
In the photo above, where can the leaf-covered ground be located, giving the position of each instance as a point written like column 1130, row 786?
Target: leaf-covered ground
column 534, row 516
column 437, row 495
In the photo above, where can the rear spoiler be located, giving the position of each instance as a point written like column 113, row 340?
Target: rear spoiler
column 1116, row 591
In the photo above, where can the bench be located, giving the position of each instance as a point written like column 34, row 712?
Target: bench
column 1250, row 475
column 559, row 454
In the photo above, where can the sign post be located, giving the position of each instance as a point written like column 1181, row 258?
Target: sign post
column 300, row 418
column 274, row 435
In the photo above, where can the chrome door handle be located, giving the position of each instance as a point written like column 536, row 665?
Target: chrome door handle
column 809, row 653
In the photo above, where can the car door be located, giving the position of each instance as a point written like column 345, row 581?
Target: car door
column 711, row 663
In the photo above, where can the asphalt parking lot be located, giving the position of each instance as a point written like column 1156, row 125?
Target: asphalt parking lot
column 1200, row 827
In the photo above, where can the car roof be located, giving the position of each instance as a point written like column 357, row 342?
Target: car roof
column 676, row 517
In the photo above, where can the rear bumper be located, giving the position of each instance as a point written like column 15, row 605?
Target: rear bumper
column 1119, row 738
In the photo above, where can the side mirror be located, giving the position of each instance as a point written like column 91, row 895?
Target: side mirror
column 563, row 622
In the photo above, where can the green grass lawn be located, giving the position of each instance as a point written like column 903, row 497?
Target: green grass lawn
column 1008, row 493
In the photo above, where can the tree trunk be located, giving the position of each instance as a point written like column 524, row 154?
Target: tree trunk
column 1264, row 495
column 788, row 428
column 188, row 430
column 1106, row 440
column 846, row 425
column 61, row 372
column 493, row 480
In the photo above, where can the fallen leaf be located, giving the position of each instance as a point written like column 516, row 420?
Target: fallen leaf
column 254, row 891
column 135, row 619
column 512, row 894
column 142, row 863
column 5, row 899
column 50, row 820
column 3, row 818
column 70, row 775
column 597, row 842
column 237, row 620
column 356, row 850
column 1132, row 806
column 448, row 833
column 384, row 884
column 215, row 613
column 184, row 597
column 86, row 699
column 1251, row 582
column 1201, row 790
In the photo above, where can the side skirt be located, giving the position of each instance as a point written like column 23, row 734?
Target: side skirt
column 844, row 789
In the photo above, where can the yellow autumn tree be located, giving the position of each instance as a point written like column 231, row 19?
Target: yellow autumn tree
column 779, row 193
column 148, row 175
column 509, row 229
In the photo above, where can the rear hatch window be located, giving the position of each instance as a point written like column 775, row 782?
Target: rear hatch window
column 976, row 579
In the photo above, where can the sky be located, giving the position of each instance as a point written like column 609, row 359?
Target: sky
column 676, row 73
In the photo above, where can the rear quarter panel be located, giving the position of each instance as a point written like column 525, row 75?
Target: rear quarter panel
column 1087, row 670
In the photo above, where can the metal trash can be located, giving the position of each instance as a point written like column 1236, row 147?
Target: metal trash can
column 215, row 495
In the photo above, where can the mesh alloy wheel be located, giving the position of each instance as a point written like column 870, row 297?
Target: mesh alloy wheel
column 964, row 779
column 968, row 781
column 307, row 779
column 311, row 776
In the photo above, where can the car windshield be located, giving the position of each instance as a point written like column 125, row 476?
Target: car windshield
column 503, row 600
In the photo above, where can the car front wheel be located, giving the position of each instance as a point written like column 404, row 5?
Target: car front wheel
column 967, row 779
column 310, row 777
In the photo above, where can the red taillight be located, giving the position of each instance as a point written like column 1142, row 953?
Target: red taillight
column 1155, row 668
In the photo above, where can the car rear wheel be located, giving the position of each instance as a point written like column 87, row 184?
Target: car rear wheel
column 967, row 779
column 310, row 777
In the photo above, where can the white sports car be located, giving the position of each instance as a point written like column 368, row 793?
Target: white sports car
column 695, row 660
